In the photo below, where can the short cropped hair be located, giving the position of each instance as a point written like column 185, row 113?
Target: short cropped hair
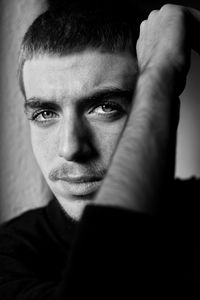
column 78, row 26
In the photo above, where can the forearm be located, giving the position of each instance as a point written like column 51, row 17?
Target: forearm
column 143, row 163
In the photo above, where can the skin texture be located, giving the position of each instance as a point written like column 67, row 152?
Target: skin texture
column 76, row 137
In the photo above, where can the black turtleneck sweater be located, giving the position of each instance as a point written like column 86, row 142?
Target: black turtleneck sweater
column 45, row 255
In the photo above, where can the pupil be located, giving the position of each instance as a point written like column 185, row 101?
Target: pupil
column 106, row 107
column 46, row 114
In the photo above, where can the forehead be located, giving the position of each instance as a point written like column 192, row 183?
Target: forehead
column 80, row 73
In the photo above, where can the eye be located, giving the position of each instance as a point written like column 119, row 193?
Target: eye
column 107, row 109
column 44, row 116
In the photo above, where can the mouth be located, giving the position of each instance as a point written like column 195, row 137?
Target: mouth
column 80, row 186
column 81, row 179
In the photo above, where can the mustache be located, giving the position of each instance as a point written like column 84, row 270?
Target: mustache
column 68, row 171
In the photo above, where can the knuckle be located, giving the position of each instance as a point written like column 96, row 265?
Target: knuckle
column 143, row 23
column 169, row 9
column 152, row 14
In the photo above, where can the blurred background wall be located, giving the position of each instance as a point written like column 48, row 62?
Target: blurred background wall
column 21, row 183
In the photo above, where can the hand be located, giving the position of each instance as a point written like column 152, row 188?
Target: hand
column 165, row 42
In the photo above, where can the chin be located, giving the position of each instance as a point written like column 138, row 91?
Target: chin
column 75, row 208
column 75, row 205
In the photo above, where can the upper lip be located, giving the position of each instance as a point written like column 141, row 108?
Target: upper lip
column 80, row 179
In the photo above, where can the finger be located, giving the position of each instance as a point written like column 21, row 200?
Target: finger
column 153, row 13
column 142, row 25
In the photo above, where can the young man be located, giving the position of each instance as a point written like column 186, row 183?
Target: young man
column 103, row 118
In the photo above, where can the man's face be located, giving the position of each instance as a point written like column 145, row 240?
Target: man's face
column 77, row 105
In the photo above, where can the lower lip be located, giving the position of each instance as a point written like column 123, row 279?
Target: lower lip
column 82, row 188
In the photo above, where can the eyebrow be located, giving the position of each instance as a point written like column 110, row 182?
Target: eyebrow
column 35, row 102
column 98, row 96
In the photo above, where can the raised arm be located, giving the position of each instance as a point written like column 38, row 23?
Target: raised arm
column 123, row 235
column 142, row 168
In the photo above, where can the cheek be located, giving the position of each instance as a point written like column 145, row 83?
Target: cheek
column 107, row 139
column 44, row 144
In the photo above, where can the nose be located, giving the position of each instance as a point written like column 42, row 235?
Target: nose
column 73, row 139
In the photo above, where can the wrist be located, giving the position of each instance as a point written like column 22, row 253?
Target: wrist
column 162, row 81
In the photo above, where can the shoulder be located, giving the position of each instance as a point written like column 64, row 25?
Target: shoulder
column 25, row 229
column 39, row 227
column 186, row 193
column 27, row 221
column 29, row 244
column 183, row 207
column 189, row 185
